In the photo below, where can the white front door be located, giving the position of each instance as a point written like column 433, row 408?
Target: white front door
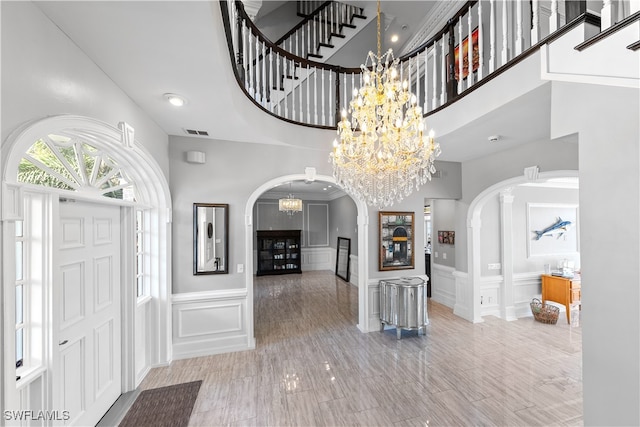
column 86, row 311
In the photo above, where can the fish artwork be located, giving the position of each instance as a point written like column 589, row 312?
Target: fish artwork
column 559, row 227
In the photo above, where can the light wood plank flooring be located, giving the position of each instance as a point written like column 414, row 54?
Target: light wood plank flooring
column 313, row 367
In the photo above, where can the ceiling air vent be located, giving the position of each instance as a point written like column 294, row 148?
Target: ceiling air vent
column 197, row 132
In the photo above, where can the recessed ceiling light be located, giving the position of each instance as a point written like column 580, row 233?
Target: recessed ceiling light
column 175, row 100
column 325, row 188
column 394, row 38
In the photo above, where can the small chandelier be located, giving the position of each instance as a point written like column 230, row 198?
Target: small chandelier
column 290, row 205
column 383, row 154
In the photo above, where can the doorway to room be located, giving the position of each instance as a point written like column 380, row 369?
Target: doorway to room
column 320, row 256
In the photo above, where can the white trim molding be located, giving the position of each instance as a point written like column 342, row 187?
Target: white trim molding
column 211, row 322
column 443, row 285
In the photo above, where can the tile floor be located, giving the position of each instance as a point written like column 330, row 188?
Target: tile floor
column 313, row 367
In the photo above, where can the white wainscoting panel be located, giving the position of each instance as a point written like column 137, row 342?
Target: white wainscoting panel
column 443, row 286
column 490, row 295
column 464, row 296
column 207, row 323
column 526, row 286
column 373, row 289
column 353, row 270
column 318, row 259
column 142, row 334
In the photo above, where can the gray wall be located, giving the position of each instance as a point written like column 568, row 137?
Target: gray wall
column 314, row 220
column 233, row 171
column 279, row 21
column 343, row 222
column 491, row 230
column 482, row 173
column 443, row 219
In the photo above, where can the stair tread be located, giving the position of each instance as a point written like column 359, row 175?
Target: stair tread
column 338, row 35
column 348, row 25
column 357, row 15
column 326, row 45
column 313, row 55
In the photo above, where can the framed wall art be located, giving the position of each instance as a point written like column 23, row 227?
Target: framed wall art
column 447, row 237
column 396, row 240
column 552, row 229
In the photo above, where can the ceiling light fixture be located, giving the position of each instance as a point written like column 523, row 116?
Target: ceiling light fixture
column 289, row 204
column 175, row 100
column 382, row 154
column 394, row 38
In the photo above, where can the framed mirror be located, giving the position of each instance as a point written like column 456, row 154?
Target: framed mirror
column 210, row 238
column 342, row 258
column 396, row 240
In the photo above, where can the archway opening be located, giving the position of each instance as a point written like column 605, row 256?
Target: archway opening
column 505, row 259
column 359, row 271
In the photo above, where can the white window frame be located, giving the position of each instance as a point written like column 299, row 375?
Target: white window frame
column 35, row 232
column 142, row 255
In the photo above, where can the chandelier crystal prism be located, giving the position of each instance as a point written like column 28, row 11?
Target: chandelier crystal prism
column 383, row 153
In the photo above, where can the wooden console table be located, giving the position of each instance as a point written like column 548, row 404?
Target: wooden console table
column 563, row 290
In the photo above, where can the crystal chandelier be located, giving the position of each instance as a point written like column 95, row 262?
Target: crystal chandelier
column 382, row 154
column 289, row 204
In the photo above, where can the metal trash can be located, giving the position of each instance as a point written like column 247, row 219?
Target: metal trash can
column 403, row 304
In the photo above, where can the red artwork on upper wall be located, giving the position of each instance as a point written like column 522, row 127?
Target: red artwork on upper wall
column 465, row 55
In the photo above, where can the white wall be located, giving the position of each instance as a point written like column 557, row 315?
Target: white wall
column 44, row 73
column 607, row 119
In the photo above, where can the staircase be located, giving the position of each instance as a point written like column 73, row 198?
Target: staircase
column 324, row 30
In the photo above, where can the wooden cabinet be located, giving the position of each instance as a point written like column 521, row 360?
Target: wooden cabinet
column 278, row 252
column 563, row 290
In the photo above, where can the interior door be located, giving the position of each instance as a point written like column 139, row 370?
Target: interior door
column 86, row 311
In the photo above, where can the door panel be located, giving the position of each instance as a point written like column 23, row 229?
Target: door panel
column 87, row 378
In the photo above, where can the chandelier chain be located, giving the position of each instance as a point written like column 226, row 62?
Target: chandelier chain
column 382, row 154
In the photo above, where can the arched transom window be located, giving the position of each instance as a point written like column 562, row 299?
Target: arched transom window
column 68, row 163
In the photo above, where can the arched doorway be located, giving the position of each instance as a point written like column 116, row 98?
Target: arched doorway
column 469, row 300
column 49, row 163
column 363, row 225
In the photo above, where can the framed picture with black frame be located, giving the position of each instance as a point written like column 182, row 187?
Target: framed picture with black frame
column 396, row 240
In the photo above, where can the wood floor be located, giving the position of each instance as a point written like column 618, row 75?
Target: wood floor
column 313, row 367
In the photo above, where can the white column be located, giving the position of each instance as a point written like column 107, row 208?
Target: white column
column 480, row 42
column 460, row 58
column 492, row 36
column 474, row 225
column 470, row 51
column 535, row 31
column 554, row 19
column 426, row 81
column 443, row 93
column 505, row 36
column 519, row 36
column 434, row 102
column 606, row 16
column 507, row 308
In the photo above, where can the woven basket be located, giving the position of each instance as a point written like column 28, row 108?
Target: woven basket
column 544, row 313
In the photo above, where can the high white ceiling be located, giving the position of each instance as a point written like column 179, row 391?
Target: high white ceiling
column 149, row 48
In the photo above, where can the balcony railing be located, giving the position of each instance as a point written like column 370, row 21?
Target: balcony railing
column 495, row 34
